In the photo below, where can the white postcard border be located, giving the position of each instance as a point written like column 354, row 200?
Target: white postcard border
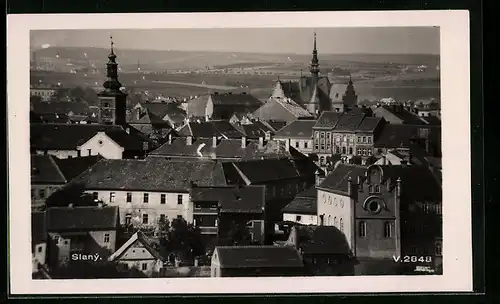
column 454, row 67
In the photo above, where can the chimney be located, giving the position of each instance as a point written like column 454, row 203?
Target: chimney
column 398, row 187
column 243, row 142
column 214, row 141
column 349, row 186
column 170, row 138
column 70, row 205
column 189, row 141
column 261, row 142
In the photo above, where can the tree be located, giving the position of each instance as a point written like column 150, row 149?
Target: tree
column 73, row 193
column 183, row 239
column 237, row 234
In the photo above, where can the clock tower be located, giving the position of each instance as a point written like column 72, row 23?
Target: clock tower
column 112, row 101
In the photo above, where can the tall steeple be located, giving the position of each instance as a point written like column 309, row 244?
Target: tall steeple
column 112, row 101
column 314, row 67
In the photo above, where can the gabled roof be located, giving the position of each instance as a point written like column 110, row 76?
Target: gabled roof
column 270, row 150
column 260, row 171
column 304, row 203
column 161, row 109
column 276, row 125
column 136, row 237
column 322, row 240
column 258, row 257
column 349, row 122
column 249, row 199
column 82, row 218
column 72, row 167
column 297, row 129
column 152, row 174
column 44, row 170
column 328, row 119
column 70, row 136
column 291, row 106
column 396, row 135
column 338, row 178
column 400, row 112
column 139, row 116
column 369, row 124
column 238, row 100
column 196, row 107
column 209, row 129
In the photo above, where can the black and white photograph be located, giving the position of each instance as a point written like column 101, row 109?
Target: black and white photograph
column 243, row 152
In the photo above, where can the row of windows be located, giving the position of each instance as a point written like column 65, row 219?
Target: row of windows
column 145, row 218
column 438, row 250
column 346, row 150
column 144, row 267
column 388, row 229
column 44, row 93
column 56, row 239
column 333, row 201
column 343, row 138
column 305, row 144
column 145, row 198
column 272, row 190
column 298, row 218
column 426, row 208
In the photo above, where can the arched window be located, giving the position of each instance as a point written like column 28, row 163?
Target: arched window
column 387, row 230
column 329, row 221
column 341, row 225
column 370, row 189
column 335, row 222
column 377, row 189
column 362, row 229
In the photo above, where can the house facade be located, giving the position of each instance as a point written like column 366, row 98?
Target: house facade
column 74, row 232
column 370, row 206
column 302, row 209
column 298, row 134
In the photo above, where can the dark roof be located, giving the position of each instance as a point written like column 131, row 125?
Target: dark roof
column 259, row 171
column 249, row 199
column 54, row 118
column 44, row 170
column 72, row 167
column 270, row 150
column 418, row 182
column 258, row 257
column 210, row 129
column 431, row 120
column 63, row 107
column 337, row 179
column 328, row 119
column 276, row 125
column 406, row 116
column 239, row 100
column 70, row 136
column 297, row 129
column 152, row 174
column 38, row 228
column 231, row 175
column 304, row 203
column 322, row 240
column 82, row 218
column 254, row 131
column 161, row 109
column 196, row 107
column 141, row 116
column 396, row 135
column 369, row 124
column 349, row 121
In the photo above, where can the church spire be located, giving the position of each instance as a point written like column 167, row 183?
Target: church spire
column 112, row 83
column 314, row 67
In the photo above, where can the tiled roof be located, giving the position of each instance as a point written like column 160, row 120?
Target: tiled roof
column 210, row 129
column 328, row 119
column 249, row 199
column 293, row 107
column 396, row 135
column 44, row 170
column 258, row 257
column 349, row 122
column 136, row 237
column 338, row 178
column 231, row 175
column 276, row 125
column 254, row 131
column 304, row 203
column 297, row 129
column 400, row 112
column 418, row 182
column 152, row 174
column 82, row 218
column 243, row 99
column 138, row 116
column 160, row 109
column 63, row 107
column 369, row 124
column 322, row 240
column 72, row 167
column 69, row 136
column 38, row 228
column 270, row 150
column 178, row 147
column 431, row 120
column 196, row 107
column 259, row 171
column 292, row 90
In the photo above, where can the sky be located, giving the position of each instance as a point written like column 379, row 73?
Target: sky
column 388, row 40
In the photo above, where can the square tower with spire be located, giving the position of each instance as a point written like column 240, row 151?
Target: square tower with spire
column 112, row 100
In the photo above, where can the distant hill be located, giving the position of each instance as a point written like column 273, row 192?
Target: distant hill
column 160, row 60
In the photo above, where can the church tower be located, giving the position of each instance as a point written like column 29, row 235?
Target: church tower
column 314, row 67
column 112, row 101
column 350, row 98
